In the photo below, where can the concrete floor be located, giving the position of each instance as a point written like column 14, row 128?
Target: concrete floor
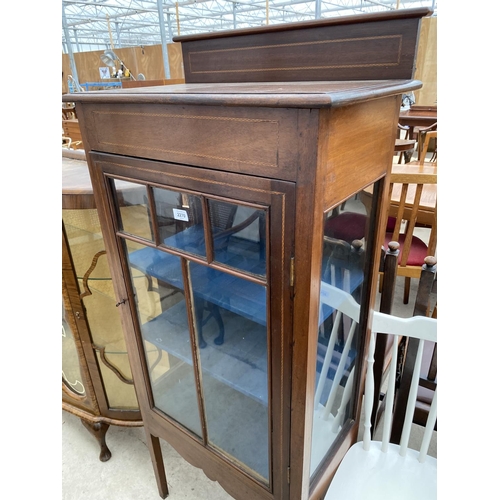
column 128, row 475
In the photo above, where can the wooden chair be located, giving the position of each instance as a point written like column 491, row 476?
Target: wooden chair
column 423, row 148
column 342, row 267
column 425, row 305
column 407, row 189
column 335, row 367
column 343, row 264
column 379, row 469
column 69, row 143
column 342, row 275
column 66, row 142
column 423, row 140
column 432, row 134
column 383, row 347
column 71, row 128
column 347, row 226
column 405, row 146
column 68, row 113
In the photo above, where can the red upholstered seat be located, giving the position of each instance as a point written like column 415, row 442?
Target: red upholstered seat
column 391, row 224
column 418, row 249
column 350, row 226
column 347, row 226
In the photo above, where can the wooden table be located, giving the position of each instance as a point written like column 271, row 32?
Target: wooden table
column 427, row 207
column 418, row 116
column 429, row 192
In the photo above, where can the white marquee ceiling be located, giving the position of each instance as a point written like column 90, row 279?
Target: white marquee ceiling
column 101, row 24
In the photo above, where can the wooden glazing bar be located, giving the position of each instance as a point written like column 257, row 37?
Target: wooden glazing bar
column 193, row 334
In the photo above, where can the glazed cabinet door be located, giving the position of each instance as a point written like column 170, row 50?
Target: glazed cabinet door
column 203, row 259
column 77, row 387
column 103, row 356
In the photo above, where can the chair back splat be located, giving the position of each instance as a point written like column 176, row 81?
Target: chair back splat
column 412, row 209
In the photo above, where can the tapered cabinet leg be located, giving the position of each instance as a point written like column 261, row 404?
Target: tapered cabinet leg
column 98, row 430
column 157, row 459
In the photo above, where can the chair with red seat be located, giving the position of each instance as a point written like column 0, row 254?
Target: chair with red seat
column 408, row 216
column 351, row 226
column 347, row 226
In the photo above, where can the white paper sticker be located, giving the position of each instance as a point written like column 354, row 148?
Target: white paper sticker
column 180, row 215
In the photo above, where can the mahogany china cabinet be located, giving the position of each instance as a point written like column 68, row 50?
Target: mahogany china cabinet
column 240, row 234
column 96, row 378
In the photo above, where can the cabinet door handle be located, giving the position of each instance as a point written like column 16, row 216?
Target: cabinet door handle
column 121, row 302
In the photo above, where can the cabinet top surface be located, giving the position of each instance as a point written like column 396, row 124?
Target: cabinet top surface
column 310, row 94
column 75, row 176
column 77, row 190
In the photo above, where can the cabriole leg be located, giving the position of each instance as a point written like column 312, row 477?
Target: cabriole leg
column 98, row 430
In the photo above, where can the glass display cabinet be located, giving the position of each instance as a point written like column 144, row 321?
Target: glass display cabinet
column 242, row 259
column 97, row 383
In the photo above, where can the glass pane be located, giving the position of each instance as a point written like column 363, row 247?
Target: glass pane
column 94, row 280
column 71, row 374
column 239, row 236
column 107, row 335
column 133, row 205
column 180, row 220
column 161, row 306
column 232, row 334
column 165, row 202
column 344, row 243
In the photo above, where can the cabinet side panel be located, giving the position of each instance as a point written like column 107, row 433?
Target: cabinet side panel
column 255, row 141
column 359, row 147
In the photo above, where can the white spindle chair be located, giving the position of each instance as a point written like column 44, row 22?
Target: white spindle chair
column 379, row 469
column 326, row 423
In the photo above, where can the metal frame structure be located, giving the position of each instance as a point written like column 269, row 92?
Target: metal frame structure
column 103, row 24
